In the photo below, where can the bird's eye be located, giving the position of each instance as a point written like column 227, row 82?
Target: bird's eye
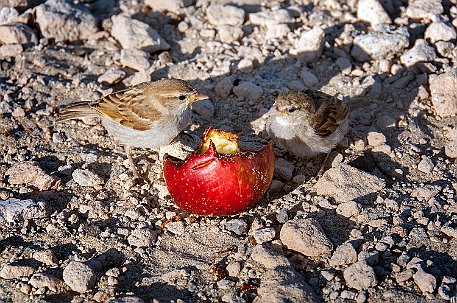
column 291, row 109
column 182, row 97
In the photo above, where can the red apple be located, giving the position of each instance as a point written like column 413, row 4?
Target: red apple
column 219, row 179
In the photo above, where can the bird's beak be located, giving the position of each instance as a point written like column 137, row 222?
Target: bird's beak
column 197, row 97
column 275, row 112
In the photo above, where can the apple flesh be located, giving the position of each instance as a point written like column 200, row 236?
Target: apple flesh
column 218, row 178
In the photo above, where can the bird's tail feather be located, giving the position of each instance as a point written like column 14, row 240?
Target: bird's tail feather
column 76, row 110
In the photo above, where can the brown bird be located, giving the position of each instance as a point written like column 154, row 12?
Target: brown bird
column 147, row 115
column 307, row 123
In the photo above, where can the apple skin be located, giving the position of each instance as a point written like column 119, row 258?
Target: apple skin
column 215, row 184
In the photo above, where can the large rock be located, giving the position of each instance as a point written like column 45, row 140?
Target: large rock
column 134, row 34
column 424, row 9
column 421, row 52
column 372, row 11
column 444, row 93
column 360, row 276
column 79, row 276
column 12, row 210
column 16, row 34
column 309, row 46
column 62, row 21
column 440, row 31
column 345, row 183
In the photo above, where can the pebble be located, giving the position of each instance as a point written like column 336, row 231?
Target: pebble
column 275, row 31
column 245, row 65
column 404, row 276
column 85, row 177
column 276, row 186
column 16, row 34
column 424, row 9
column 305, row 236
column 79, row 276
column 9, row 51
column 299, row 179
column 308, row 78
column 371, row 257
column 248, row 90
column 343, row 255
column 137, row 78
column 360, row 276
column 264, row 235
column 425, row 165
column 65, row 21
column 344, row 65
column 381, row 44
column 296, row 85
column 237, row 226
column 42, row 280
column 375, row 139
column 444, row 96
column 267, row 257
column 309, row 46
column 224, row 87
column 348, row 209
column 13, row 210
column 9, row 272
column 8, row 15
column 135, row 59
column 134, row 34
column 421, row 52
column 229, row 34
column 385, row 122
column 225, row 15
column 440, row 31
column 128, row 299
column 46, row 257
column 32, row 174
column 373, row 12
column 176, row 228
column 170, row 5
column 425, row 281
column 284, row 170
column 111, row 76
column 271, row 17
column 344, row 183
column 142, row 237
column 204, row 108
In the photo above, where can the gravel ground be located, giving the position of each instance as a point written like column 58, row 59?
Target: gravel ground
column 379, row 225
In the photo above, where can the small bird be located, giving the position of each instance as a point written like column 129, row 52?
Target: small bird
column 147, row 115
column 307, row 123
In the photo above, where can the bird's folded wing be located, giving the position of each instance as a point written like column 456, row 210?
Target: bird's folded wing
column 129, row 108
column 330, row 113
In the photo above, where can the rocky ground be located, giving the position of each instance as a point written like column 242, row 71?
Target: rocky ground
column 379, row 225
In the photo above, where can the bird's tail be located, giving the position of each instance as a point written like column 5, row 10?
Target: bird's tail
column 76, row 110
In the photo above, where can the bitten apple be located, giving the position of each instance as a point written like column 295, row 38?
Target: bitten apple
column 219, row 178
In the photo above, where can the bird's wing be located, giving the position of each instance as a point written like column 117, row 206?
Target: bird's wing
column 129, row 108
column 330, row 113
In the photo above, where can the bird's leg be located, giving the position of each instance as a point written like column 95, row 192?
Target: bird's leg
column 128, row 151
column 322, row 169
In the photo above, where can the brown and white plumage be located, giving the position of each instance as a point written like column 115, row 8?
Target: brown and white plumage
column 307, row 123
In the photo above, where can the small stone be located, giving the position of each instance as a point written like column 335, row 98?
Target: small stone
column 137, row 78
column 308, row 78
column 135, row 58
column 224, row 87
column 360, row 276
column 234, row 268
column 229, row 34
column 8, row 15
column 425, row 165
column 16, row 34
column 112, row 76
column 204, row 108
column 9, row 51
column 9, row 272
column 296, row 85
column 404, row 276
column 444, row 94
column 344, row 254
column 46, row 257
column 268, row 258
column 225, row 15
column 370, row 257
column 248, row 90
column 309, row 46
column 79, row 276
column 142, row 237
column 41, row 280
column 424, row 9
column 13, row 210
column 345, row 65
column 237, row 226
column 245, row 65
column 425, row 281
column 176, row 228
column 65, row 21
column 421, row 52
column 385, row 122
column 31, row 173
column 345, row 183
column 276, row 186
column 275, row 31
column 271, row 17
column 348, row 209
column 440, row 31
column 305, row 236
column 284, row 170
column 85, row 177
column 372, row 11
column 129, row 299
column 375, row 139
column 449, row 231
column 299, row 179
column 134, row 34
column 264, row 235
column 170, row 5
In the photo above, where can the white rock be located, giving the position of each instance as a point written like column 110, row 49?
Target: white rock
column 85, row 177
column 372, row 11
column 450, row 149
column 135, row 58
column 79, row 276
column 176, row 228
column 10, row 51
column 309, row 46
column 426, row 282
column 344, row 254
column 204, row 108
column 41, row 280
column 137, row 78
column 8, row 15
column 142, row 237
column 275, row 31
column 12, row 210
column 248, row 90
column 263, row 235
column 237, row 226
column 46, row 257
column 345, row 183
column 425, row 165
column 440, row 31
column 229, row 34
column 269, row 17
column 169, row 5
column 421, row 52
column 9, row 272
column 348, row 209
column 360, row 276
column 32, row 174
column 306, row 237
column 381, row 44
column 134, row 34
column 284, row 170
column 245, row 65
column 444, row 93
column 308, row 78
column 111, row 76
column 224, row 87
column 424, row 9
column 375, row 139
column 268, row 258
column 16, row 34
column 62, row 21
column 225, row 15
